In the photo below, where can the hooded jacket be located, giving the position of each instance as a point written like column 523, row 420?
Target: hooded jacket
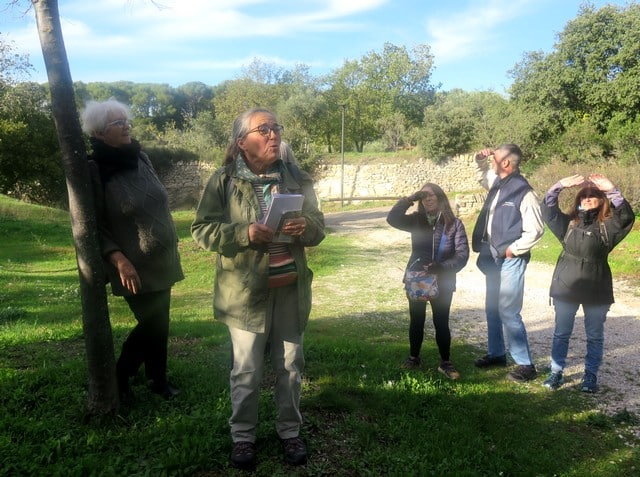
column 227, row 207
column 582, row 273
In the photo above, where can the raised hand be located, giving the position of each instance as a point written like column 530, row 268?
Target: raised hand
column 572, row 181
column 601, row 182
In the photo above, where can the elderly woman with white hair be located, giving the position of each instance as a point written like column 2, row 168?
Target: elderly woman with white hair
column 138, row 241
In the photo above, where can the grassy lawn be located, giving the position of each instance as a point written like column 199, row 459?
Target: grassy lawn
column 363, row 414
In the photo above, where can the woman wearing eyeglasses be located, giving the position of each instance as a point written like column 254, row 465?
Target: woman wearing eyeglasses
column 599, row 219
column 138, row 241
column 262, row 289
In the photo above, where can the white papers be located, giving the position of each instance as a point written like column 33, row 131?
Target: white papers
column 282, row 208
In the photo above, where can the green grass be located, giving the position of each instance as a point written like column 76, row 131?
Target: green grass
column 363, row 414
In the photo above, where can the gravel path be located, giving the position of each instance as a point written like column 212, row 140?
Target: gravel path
column 619, row 376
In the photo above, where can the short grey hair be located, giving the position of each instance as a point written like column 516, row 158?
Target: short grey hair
column 96, row 114
column 514, row 152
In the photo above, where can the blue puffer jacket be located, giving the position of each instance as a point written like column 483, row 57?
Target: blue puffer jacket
column 425, row 240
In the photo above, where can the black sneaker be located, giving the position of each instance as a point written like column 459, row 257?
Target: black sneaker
column 589, row 383
column 554, row 381
column 243, row 455
column 523, row 373
column 488, row 360
column 295, row 451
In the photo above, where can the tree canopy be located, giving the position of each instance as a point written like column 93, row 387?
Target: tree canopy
column 580, row 100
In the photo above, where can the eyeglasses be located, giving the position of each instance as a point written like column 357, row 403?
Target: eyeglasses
column 121, row 123
column 265, row 129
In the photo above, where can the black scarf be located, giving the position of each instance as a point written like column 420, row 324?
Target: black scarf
column 111, row 159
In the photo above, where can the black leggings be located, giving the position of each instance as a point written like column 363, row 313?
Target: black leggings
column 440, row 311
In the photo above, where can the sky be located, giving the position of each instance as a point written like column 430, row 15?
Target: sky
column 475, row 43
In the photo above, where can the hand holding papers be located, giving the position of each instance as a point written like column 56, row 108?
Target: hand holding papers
column 283, row 207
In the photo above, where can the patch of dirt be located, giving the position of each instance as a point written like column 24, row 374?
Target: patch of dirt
column 619, row 376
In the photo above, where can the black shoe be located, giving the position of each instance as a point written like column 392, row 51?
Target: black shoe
column 523, row 373
column 488, row 360
column 295, row 451
column 243, row 455
column 589, row 383
column 166, row 390
column 126, row 396
column 124, row 389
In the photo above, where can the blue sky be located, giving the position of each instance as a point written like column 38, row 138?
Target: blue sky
column 475, row 42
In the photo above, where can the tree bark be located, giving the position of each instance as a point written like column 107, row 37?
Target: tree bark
column 103, row 392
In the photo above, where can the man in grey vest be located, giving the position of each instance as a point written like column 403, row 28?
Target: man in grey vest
column 509, row 225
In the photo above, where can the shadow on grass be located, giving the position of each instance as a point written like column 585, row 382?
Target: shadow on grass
column 364, row 415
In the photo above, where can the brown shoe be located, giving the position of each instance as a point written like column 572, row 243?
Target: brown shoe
column 447, row 368
column 412, row 362
column 523, row 373
column 243, row 455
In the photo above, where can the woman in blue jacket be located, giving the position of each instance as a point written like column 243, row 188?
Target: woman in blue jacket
column 433, row 227
column 598, row 221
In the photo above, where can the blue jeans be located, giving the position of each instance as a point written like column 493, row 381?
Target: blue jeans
column 594, row 318
column 503, row 303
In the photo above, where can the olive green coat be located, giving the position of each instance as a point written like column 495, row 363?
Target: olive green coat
column 227, row 207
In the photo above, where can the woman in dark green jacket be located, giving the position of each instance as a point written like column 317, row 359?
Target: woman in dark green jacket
column 262, row 288
column 600, row 218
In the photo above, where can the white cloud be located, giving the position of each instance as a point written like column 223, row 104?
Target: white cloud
column 477, row 29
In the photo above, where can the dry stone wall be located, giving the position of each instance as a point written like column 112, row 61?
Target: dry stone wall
column 359, row 182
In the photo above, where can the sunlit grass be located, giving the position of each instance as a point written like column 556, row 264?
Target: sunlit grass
column 364, row 415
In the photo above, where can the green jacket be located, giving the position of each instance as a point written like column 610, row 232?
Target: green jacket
column 227, row 207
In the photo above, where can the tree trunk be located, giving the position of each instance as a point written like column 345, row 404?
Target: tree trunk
column 103, row 392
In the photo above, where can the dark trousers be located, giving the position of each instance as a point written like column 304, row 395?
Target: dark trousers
column 147, row 342
column 440, row 313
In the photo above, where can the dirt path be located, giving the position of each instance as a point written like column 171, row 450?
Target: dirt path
column 619, row 377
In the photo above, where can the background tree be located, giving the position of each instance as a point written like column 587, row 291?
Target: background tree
column 589, row 83
column 30, row 165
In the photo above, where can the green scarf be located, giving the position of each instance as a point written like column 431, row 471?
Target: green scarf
column 270, row 180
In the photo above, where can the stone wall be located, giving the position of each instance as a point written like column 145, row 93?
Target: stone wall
column 366, row 181
column 398, row 180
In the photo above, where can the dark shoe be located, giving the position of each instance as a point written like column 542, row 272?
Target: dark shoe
column 554, row 381
column 124, row 389
column 166, row 390
column 488, row 360
column 412, row 362
column 243, row 455
column 126, row 396
column 523, row 373
column 295, row 451
column 447, row 368
column 589, row 383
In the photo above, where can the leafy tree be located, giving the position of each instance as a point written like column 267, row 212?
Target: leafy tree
column 30, row 166
column 593, row 71
column 194, row 98
column 393, row 129
column 380, row 84
column 13, row 66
